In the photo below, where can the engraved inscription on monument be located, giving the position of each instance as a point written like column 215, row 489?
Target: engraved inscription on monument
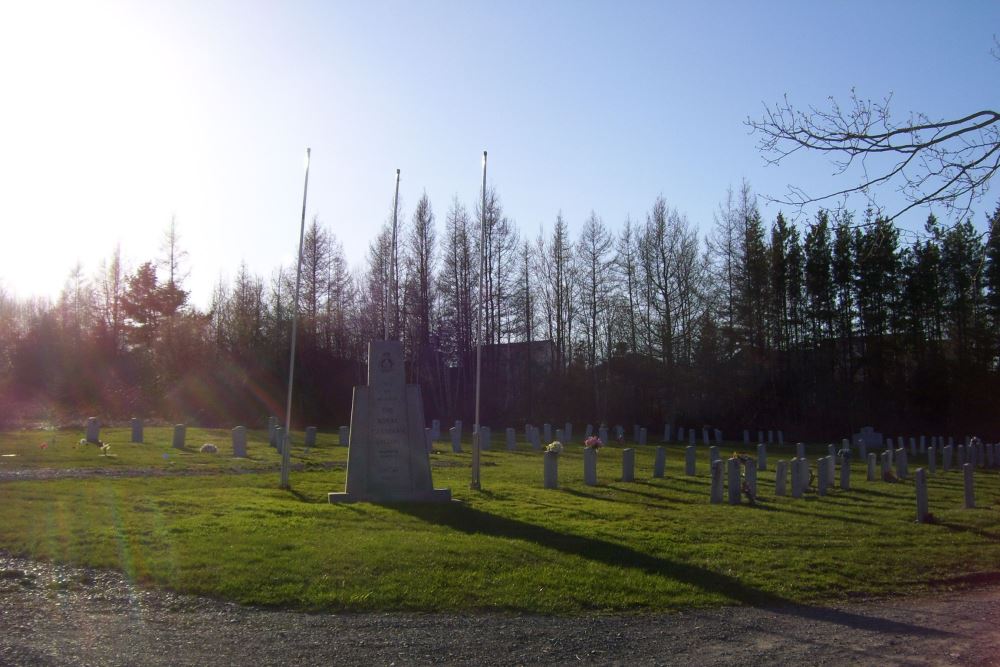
column 387, row 458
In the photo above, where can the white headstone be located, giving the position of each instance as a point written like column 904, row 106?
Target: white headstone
column 240, row 442
column 689, row 460
column 387, row 460
column 716, row 491
column 735, row 483
column 180, row 432
column 781, row 478
column 800, row 450
column 93, row 434
column 589, row 466
column 921, row 487
column 551, row 470
column 628, row 465
column 970, row 491
column 456, row 440
column 902, row 467
column 660, row 463
column 761, row 456
column 136, row 424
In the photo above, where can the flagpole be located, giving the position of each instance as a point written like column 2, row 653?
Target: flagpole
column 285, row 446
column 393, row 269
column 475, row 484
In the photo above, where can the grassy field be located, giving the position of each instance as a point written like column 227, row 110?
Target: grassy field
column 656, row 544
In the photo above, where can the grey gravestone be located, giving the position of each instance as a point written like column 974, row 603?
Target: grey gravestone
column 387, row 459
column 240, row 442
column 751, row 467
column 547, row 432
column 628, row 465
column 781, row 478
column 689, row 460
column 869, row 436
column 902, row 464
column 642, row 436
column 344, row 433
column 590, row 466
column 485, row 438
column 136, row 429
column 456, row 440
column 180, row 431
column 923, row 444
column 93, row 434
column 660, row 463
column 511, row 443
column 310, row 436
column 871, row 468
column 713, row 454
column 436, row 429
column 921, row 485
column 886, row 464
column 800, row 450
column 734, row 481
column 761, row 456
column 932, row 459
column 796, row 478
column 279, row 437
column 716, row 492
column 845, row 473
column 970, row 492
column 823, row 475
column 550, row 461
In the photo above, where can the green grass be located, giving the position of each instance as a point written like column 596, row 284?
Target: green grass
column 650, row 545
column 24, row 450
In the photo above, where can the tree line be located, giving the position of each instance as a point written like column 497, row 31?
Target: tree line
column 815, row 328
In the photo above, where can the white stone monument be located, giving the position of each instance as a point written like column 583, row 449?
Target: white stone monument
column 387, row 459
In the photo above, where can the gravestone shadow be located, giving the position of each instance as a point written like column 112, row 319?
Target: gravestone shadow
column 472, row 521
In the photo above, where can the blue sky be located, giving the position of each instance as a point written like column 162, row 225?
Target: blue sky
column 118, row 115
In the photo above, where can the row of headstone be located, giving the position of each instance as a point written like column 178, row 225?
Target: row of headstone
column 761, row 439
column 550, row 466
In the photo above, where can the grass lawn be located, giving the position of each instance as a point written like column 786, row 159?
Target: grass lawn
column 656, row 544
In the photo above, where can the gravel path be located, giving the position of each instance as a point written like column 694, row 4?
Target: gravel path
column 58, row 615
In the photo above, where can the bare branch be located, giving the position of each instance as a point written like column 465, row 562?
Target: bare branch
column 947, row 161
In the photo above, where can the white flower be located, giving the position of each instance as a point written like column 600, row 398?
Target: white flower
column 555, row 446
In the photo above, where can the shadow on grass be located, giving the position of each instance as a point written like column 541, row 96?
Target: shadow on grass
column 469, row 520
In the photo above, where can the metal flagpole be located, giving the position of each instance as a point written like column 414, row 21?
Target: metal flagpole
column 285, row 454
column 476, row 485
column 393, row 269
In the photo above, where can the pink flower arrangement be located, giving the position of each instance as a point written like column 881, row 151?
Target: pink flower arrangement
column 593, row 442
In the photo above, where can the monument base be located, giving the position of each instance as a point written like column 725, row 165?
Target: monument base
column 432, row 496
